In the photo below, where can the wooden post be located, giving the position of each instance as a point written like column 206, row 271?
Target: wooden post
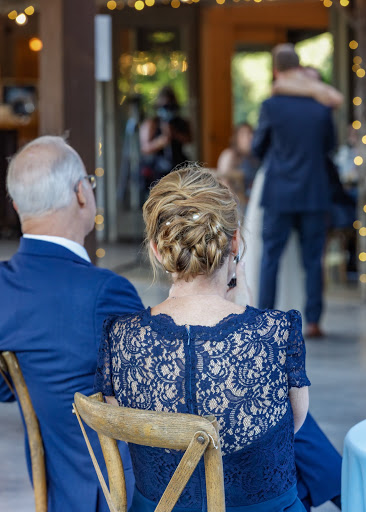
column 67, row 85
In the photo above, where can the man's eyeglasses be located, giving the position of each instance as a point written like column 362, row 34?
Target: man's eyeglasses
column 92, row 180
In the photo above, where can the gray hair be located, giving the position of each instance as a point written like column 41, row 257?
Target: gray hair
column 42, row 176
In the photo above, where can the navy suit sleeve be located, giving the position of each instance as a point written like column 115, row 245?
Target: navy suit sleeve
column 262, row 135
column 330, row 136
column 5, row 394
column 117, row 296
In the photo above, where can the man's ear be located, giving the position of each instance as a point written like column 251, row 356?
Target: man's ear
column 80, row 194
column 155, row 251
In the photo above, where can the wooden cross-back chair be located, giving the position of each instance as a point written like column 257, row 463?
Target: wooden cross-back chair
column 195, row 435
column 9, row 366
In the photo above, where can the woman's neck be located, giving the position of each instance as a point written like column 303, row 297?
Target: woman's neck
column 200, row 285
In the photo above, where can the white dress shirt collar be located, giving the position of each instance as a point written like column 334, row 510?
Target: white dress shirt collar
column 72, row 246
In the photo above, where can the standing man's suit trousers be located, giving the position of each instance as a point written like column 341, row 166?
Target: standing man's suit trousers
column 277, row 227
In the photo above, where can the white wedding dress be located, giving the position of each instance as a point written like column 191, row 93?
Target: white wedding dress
column 290, row 293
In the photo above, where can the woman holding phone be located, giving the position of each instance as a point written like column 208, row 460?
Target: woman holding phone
column 202, row 352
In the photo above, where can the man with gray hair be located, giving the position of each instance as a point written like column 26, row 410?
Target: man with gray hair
column 53, row 304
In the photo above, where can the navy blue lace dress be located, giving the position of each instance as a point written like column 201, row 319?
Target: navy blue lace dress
column 239, row 370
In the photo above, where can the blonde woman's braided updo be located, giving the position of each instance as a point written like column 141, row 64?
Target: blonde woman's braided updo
column 192, row 218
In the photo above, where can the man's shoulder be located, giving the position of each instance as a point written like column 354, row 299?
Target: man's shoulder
column 104, row 277
column 305, row 101
column 76, row 270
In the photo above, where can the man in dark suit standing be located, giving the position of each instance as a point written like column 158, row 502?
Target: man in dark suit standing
column 295, row 136
column 53, row 303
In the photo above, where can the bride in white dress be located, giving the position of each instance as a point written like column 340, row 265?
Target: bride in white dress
column 290, row 278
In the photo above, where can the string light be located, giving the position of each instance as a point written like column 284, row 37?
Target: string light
column 149, row 3
column 364, row 208
column 362, row 232
column 360, row 73
column 100, row 253
column 175, row 4
column 112, row 4
column 344, row 3
column 29, row 10
column 357, row 224
column 353, row 45
column 357, row 101
column 99, row 219
column 21, row 19
column 356, row 125
column 99, row 172
column 363, row 278
column 362, row 256
column 35, row 44
column 357, row 60
column 364, row 139
column 358, row 160
column 12, row 15
column 139, row 5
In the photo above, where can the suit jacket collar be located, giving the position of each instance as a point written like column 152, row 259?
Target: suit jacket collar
column 48, row 249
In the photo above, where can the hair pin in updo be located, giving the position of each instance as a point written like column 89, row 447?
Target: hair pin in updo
column 168, row 223
column 195, row 216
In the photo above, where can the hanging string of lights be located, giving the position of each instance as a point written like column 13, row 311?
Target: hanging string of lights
column 358, row 160
column 21, row 18
column 141, row 4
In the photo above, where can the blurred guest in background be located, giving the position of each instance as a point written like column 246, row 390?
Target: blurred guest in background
column 163, row 137
column 349, row 172
column 236, row 165
column 129, row 173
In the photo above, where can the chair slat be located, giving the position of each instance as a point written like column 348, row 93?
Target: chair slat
column 167, row 430
column 183, row 472
column 33, row 431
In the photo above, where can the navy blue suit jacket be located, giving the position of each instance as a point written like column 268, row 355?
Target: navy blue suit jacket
column 295, row 135
column 53, row 304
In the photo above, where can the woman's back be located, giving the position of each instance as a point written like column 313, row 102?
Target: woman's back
column 239, row 370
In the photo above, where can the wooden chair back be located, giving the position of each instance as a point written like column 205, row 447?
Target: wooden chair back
column 9, row 365
column 195, row 435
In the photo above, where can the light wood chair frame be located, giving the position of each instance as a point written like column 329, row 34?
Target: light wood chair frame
column 9, row 365
column 195, row 435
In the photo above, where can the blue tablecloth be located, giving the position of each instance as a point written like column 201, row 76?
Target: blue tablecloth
column 354, row 470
